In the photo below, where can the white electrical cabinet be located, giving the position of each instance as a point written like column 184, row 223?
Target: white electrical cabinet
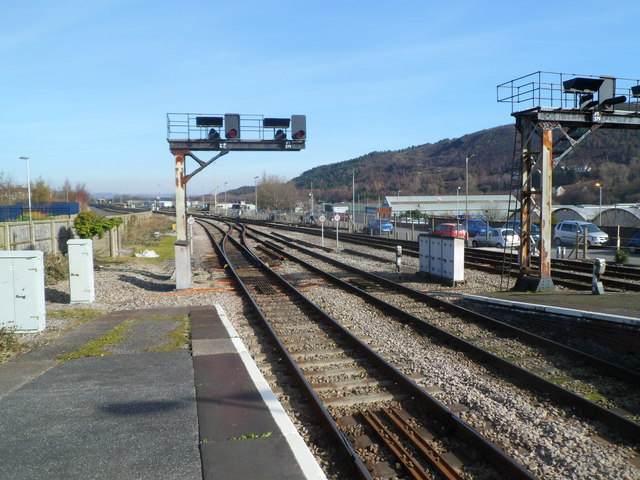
column 81, row 283
column 442, row 257
column 22, row 307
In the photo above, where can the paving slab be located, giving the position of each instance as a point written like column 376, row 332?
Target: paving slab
column 119, row 416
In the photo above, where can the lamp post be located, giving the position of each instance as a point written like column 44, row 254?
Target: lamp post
column 28, row 184
column 225, row 194
column 255, row 179
column 466, row 163
column 353, row 199
column 458, row 206
column 599, row 185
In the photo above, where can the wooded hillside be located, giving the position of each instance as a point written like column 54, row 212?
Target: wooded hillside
column 611, row 157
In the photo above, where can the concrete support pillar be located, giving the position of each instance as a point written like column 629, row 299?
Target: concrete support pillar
column 546, row 170
column 182, row 254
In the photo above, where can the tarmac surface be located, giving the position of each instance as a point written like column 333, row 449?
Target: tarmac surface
column 617, row 305
column 138, row 404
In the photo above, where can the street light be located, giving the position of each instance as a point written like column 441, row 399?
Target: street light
column 458, row 206
column 225, row 194
column 466, row 163
column 256, row 182
column 599, row 185
column 28, row 184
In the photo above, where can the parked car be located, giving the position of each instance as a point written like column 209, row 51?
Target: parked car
column 378, row 226
column 634, row 242
column 450, row 230
column 475, row 226
column 497, row 237
column 566, row 232
column 515, row 224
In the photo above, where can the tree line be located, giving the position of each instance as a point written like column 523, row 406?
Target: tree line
column 41, row 191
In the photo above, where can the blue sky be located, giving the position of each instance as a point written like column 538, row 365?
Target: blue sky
column 86, row 85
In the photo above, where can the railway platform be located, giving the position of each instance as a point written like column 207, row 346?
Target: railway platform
column 99, row 403
column 615, row 307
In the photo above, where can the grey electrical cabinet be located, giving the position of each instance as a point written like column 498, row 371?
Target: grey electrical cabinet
column 22, row 291
column 81, row 283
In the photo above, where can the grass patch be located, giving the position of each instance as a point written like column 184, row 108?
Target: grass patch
column 80, row 315
column 595, row 397
column 112, row 260
column 97, row 347
column 559, row 380
column 164, row 247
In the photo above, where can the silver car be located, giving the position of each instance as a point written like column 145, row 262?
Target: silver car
column 568, row 231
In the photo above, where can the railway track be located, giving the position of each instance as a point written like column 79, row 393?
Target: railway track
column 589, row 377
column 274, row 255
column 573, row 274
column 384, row 423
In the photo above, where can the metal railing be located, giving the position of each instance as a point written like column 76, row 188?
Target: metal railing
column 546, row 89
column 183, row 126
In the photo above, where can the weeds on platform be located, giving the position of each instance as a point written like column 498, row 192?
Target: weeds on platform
column 179, row 338
column 78, row 315
column 9, row 344
column 251, row 436
column 97, row 347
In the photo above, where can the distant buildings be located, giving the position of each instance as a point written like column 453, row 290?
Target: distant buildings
column 493, row 207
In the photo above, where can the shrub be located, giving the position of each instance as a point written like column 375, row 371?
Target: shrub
column 89, row 224
column 622, row 257
column 56, row 268
column 9, row 344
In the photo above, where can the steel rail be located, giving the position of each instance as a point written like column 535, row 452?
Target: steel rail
column 605, row 366
column 497, row 457
column 343, row 444
column 559, row 393
column 560, row 276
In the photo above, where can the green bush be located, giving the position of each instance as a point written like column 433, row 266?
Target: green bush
column 89, row 224
column 622, row 257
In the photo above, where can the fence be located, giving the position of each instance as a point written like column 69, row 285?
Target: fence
column 50, row 236
column 46, row 209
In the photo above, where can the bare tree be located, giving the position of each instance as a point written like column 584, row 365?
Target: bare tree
column 82, row 196
column 8, row 190
column 68, row 192
column 276, row 193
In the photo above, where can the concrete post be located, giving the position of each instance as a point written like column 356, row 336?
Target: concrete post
column 182, row 254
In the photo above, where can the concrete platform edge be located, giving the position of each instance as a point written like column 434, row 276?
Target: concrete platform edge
column 556, row 310
column 306, row 460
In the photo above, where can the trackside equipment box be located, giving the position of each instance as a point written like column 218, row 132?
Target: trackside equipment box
column 22, row 307
column 442, row 257
column 81, row 282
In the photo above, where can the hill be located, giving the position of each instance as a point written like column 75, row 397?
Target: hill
column 611, row 157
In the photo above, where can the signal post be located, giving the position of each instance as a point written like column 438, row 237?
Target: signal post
column 188, row 133
column 571, row 107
